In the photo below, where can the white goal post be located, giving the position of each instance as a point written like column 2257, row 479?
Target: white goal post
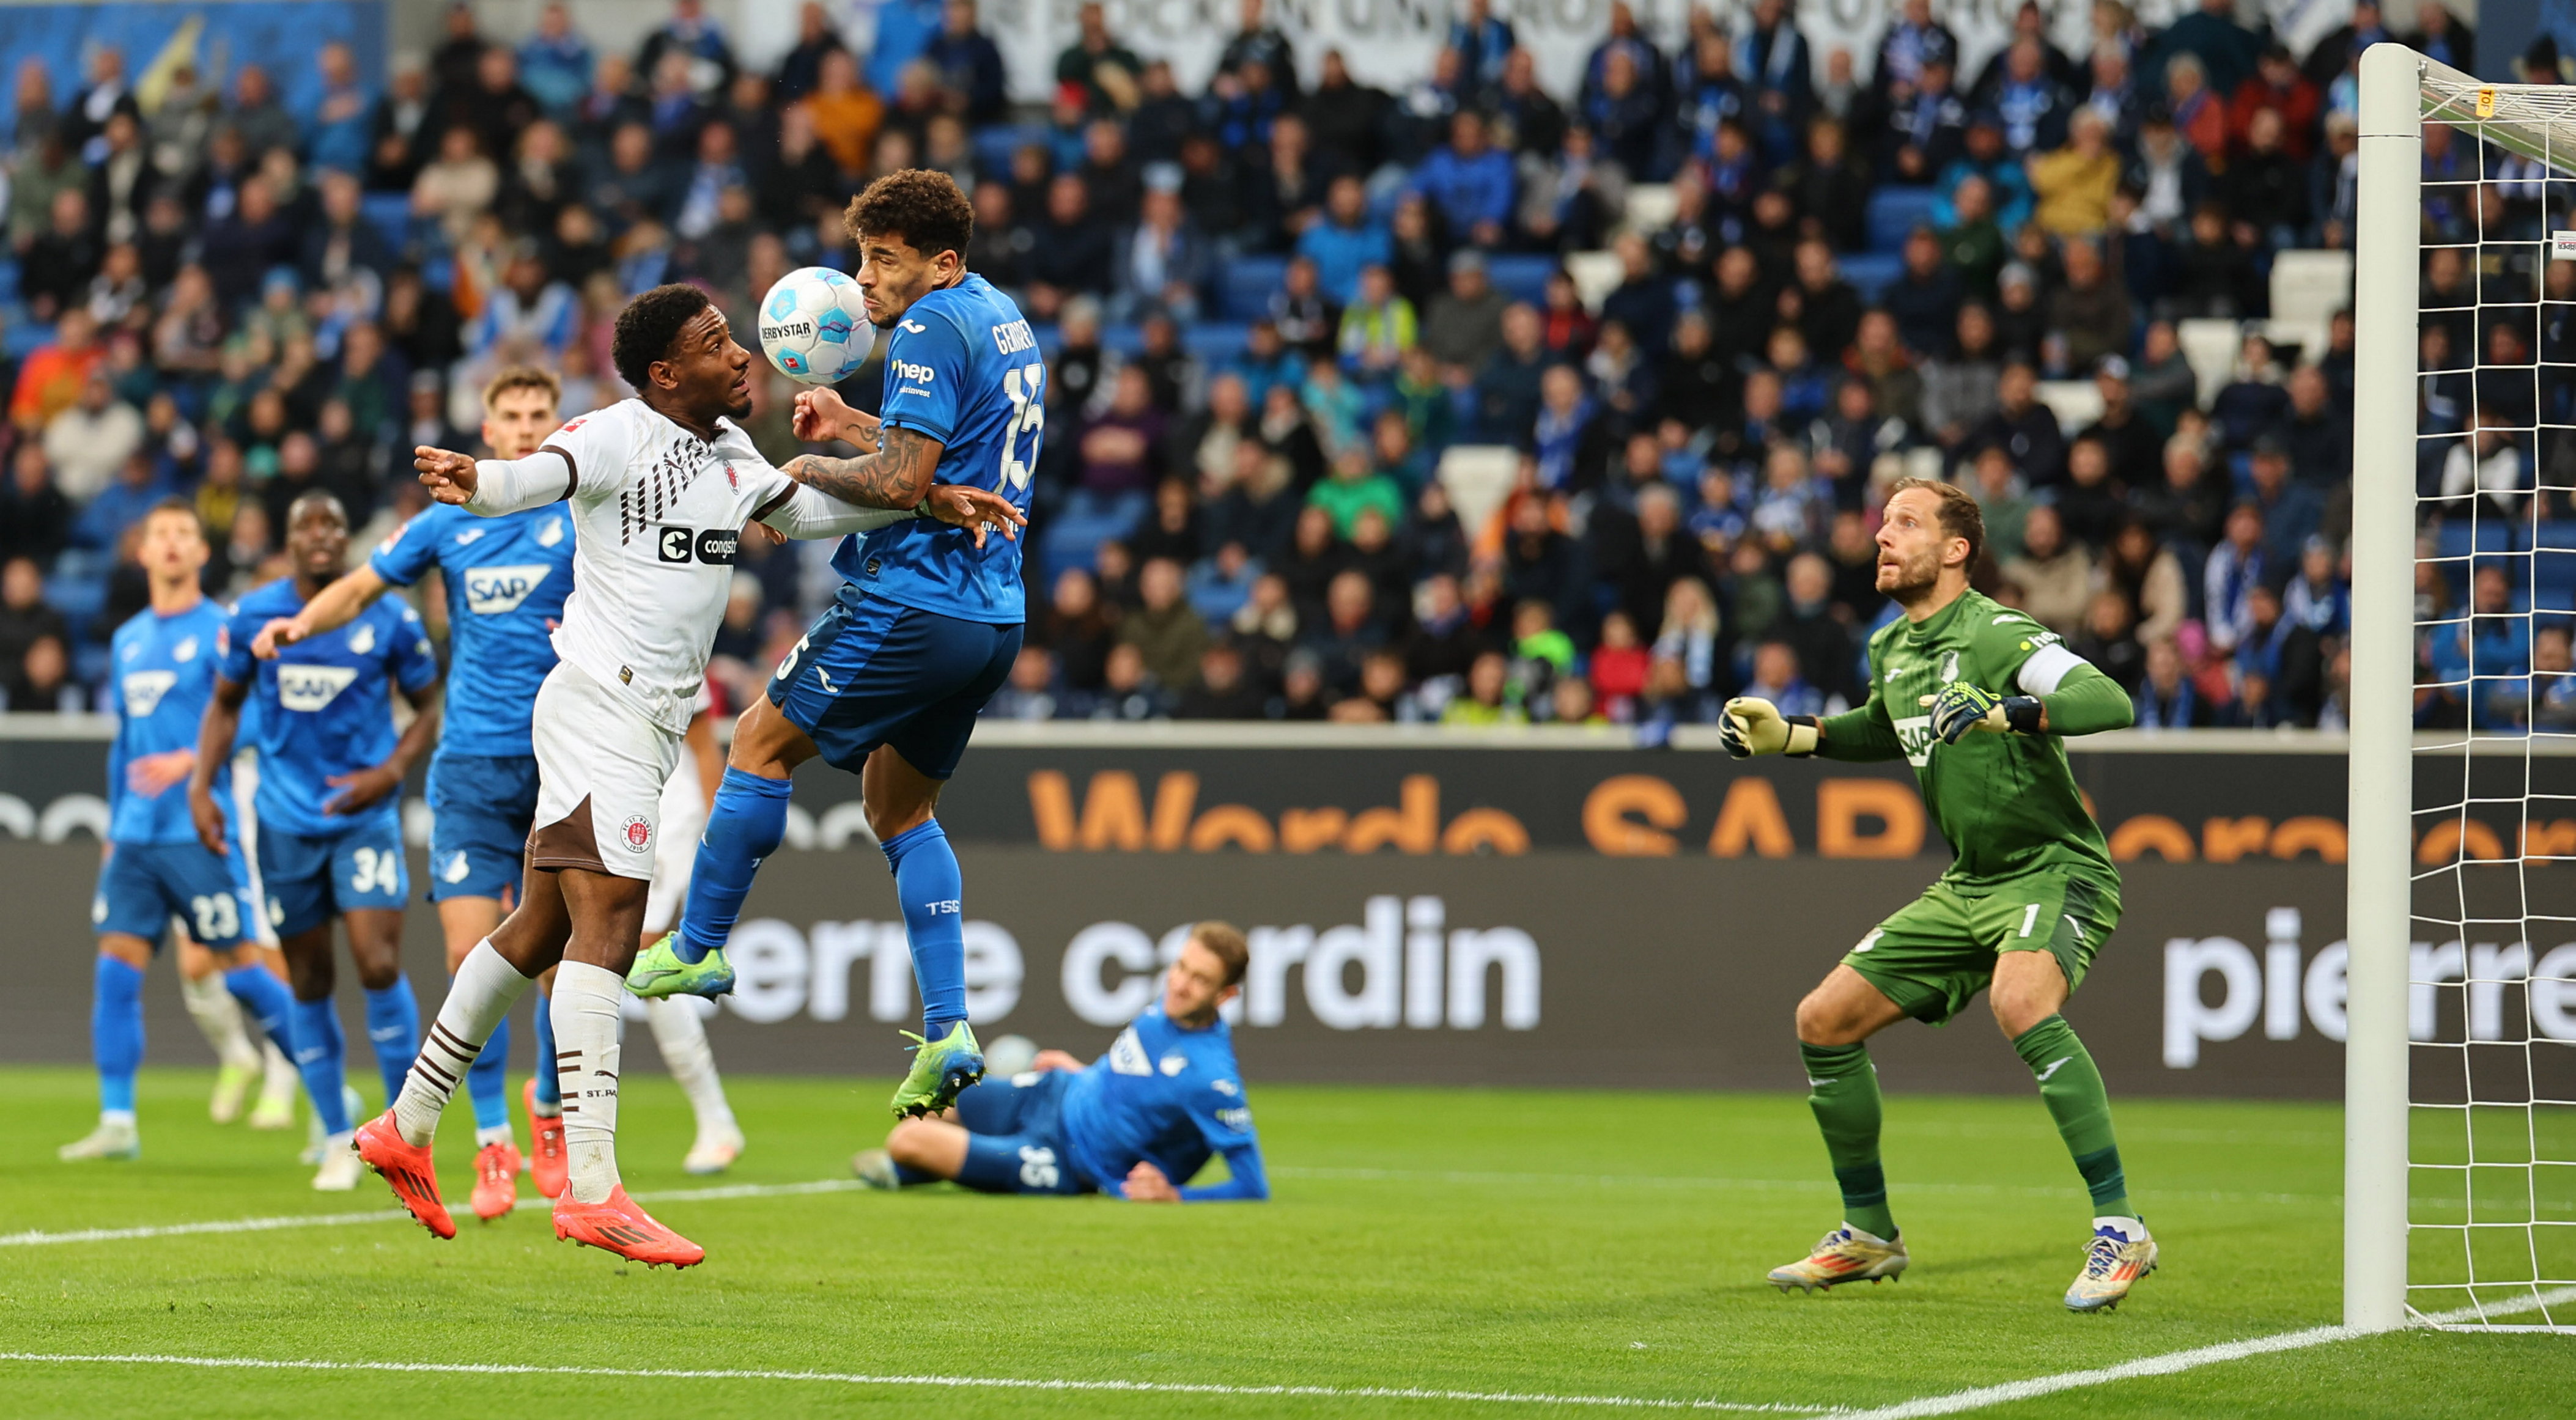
column 2460, row 1052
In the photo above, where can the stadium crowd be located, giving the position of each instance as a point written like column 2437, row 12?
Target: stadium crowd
column 1270, row 311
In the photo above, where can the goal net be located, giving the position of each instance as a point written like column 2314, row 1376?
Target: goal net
column 2465, row 501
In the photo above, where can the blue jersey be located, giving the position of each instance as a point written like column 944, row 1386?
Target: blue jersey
column 506, row 579
column 164, row 669
column 325, row 705
column 962, row 368
column 1168, row 1095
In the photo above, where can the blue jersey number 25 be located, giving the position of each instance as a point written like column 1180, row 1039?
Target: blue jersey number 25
column 1026, row 388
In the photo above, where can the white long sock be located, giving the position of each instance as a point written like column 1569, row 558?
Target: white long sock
column 682, row 1034
column 485, row 989
column 586, row 1029
column 219, row 1016
column 278, row 1080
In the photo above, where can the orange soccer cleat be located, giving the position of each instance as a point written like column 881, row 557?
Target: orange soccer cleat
column 545, row 1146
column 408, row 1169
column 618, row 1226
column 496, row 1180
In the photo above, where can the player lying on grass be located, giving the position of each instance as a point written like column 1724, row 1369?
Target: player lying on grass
column 1138, row 1123
column 658, row 488
column 1976, row 696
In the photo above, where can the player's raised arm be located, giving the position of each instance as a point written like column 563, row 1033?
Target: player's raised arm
column 491, row 487
column 337, row 606
column 822, row 414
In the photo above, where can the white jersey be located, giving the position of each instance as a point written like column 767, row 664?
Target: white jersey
column 657, row 512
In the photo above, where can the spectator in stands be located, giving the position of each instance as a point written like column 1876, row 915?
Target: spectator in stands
column 2165, row 698
column 1165, row 262
column 1464, row 328
column 1122, row 448
column 2291, row 510
column 2026, row 429
column 2235, row 568
column 2074, row 184
column 2091, row 310
column 1166, row 630
column 87, row 443
column 1926, row 298
column 1344, row 241
column 1377, row 327
column 1471, row 184
column 1073, row 254
column 25, row 616
column 1105, row 70
column 2053, row 571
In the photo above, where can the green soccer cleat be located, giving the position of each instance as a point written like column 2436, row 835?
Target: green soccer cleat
column 658, row 971
column 942, row 1070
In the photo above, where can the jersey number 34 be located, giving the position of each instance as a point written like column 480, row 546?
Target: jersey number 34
column 1026, row 387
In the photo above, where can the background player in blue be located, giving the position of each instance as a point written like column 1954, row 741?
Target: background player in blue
column 153, row 868
column 1139, row 1123
column 330, row 828
column 888, row 681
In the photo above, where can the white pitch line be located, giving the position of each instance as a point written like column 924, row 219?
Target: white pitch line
column 397, row 1215
column 2173, row 1362
column 1322, row 1392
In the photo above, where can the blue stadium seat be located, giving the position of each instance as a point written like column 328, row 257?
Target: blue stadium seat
column 390, row 214
column 994, row 147
column 90, row 663
column 1216, row 342
column 1871, row 273
column 1896, row 211
column 80, row 598
column 1521, row 276
column 1245, row 284
column 8, row 282
column 25, row 334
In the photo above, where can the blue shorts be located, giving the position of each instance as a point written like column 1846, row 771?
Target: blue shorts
column 312, row 878
column 1015, row 1141
column 144, row 885
column 873, row 672
column 481, row 809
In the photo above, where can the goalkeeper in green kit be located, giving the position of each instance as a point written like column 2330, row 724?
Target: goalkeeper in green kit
column 1974, row 695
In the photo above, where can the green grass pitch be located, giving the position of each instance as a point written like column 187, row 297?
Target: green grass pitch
column 1584, row 1245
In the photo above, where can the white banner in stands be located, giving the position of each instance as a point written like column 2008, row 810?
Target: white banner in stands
column 1390, row 43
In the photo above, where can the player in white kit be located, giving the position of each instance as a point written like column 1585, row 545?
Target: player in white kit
column 659, row 488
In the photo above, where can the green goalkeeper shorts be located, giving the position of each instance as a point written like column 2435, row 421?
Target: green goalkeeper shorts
column 1938, row 951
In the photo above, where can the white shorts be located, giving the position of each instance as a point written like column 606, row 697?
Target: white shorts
column 601, row 766
column 684, row 817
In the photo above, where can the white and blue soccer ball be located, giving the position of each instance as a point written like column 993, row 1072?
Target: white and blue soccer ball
column 814, row 328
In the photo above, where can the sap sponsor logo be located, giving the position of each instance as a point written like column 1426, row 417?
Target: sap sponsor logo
column 2219, row 989
column 1013, row 338
column 781, row 973
column 311, row 688
column 143, row 691
column 908, row 371
column 1410, row 970
column 494, row 591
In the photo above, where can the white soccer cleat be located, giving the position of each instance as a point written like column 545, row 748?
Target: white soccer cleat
column 2120, row 1253
column 875, row 1168
column 714, row 1153
column 341, row 1167
column 1844, row 1255
column 112, row 1139
column 315, row 1142
column 232, row 1088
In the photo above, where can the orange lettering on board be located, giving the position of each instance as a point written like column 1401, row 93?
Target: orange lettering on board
column 1486, row 831
column 2310, row 833
column 1842, row 805
column 2152, row 833
column 1412, row 828
column 2224, row 840
column 1654, row 804
column 1231, row 825
column 1751, row 817
column 1305, row 830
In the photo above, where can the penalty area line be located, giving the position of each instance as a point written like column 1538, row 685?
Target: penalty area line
column 2174, row 1362
column 1320, row 1392
column 397, row 1215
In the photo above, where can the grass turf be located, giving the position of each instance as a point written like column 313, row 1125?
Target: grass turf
column 1568, row 1244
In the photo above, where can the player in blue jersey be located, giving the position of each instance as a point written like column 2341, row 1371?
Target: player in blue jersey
column 505, row 579
column 330, row 828
column 1139, row 1123
column 887, row 682
column 163, row 663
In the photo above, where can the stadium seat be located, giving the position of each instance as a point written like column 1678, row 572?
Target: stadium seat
column 2076, row 403
column 994, row 146
column 1871, row 273
column 1650, row 206
column 1896, row 211
column 1478, row 477
column 2308, row 287
column 8, row 282
column 2210, row 346
column 1521, row 276
column 1596, row 274
column 1246, row 284
column 1216, row 342
column 390, row 214
column 24, row 335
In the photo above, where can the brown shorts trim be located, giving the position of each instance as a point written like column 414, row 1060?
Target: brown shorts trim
column 568, row 843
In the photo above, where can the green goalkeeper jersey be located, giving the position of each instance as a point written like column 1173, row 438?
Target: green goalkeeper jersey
column 2007, row 803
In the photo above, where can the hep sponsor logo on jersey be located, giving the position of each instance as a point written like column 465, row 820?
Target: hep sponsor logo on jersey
column 311, row 688
column 495, row 591
column 143, row 692
column 911, row 373
column 712, row 546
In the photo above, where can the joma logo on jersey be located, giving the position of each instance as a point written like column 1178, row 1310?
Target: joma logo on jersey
column 714, row 546
column 495, row 591
column 906, row 370
column 310, row 688
column 143, row 692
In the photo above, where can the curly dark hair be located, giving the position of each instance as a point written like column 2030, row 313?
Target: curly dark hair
column 646, row 328
column 920, row 205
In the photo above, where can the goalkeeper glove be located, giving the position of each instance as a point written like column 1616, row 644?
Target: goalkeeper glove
column 1751, row 725
column 1961, row 707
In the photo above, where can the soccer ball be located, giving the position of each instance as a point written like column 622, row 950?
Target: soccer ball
column 814, row 328
column 1009, row 1056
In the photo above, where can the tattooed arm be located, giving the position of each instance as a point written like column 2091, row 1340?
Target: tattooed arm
column 898, row 475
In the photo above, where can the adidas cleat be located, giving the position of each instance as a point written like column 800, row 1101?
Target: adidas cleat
column 2120, row 1253
column 618, row 1226
column 232, row 1090
column 942, row 1070
column 875, row 1168
column 118, row 1139
column 714, row 1152
column 1844, row 1255
column 546, row 1163
column 407, row 1168
column 658, row 971
column 496, row 1180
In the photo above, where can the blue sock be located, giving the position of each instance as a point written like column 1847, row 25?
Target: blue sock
column 745, row 826
column 393, row 1029
column 267, row 1001
column 320, row 1049
column 483, row 1082
column 927, row 883
column 116, row 1032
column 549, row 1088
